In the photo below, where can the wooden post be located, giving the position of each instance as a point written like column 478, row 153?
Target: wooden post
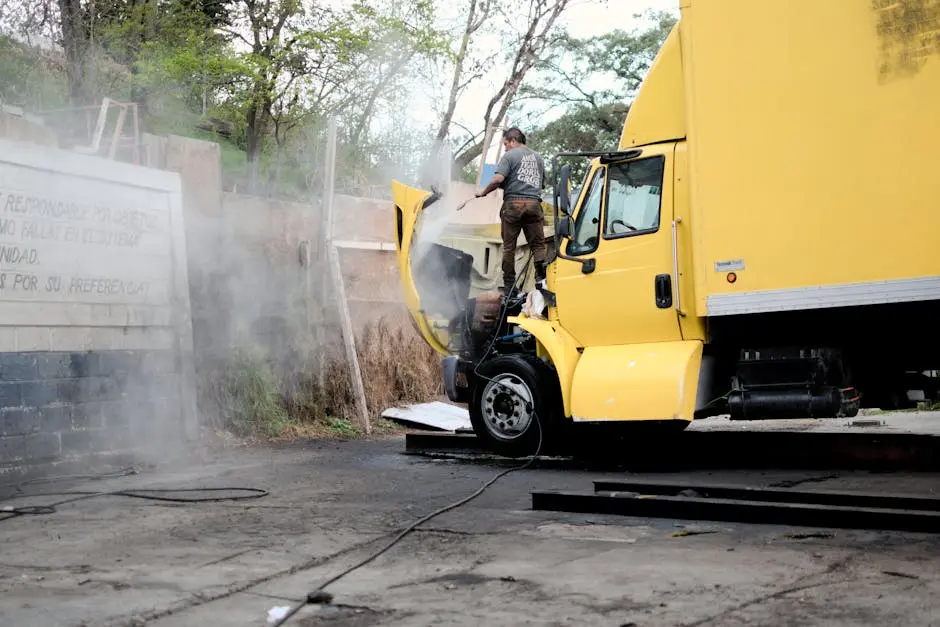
column 329, row 184
column 321, row 265
column 118, row 131
column 349, row 339
column 335, row 271
column 499, row 144
column 487, row 138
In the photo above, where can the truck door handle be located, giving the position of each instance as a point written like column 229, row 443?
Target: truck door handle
column 663, row 291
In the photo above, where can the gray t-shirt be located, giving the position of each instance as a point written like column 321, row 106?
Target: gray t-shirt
column 524, row 172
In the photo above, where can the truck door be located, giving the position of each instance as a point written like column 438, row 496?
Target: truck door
column 624, row 222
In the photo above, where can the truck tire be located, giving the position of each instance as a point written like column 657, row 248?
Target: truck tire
column 514, row 403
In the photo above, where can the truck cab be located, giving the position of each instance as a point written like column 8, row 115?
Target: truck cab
column 727, row 256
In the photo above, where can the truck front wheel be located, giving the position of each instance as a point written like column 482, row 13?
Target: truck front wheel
column 514, row 403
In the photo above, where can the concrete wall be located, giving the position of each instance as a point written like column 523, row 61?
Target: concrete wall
column 249, row 287
column 18, row 125
column 95, row 336
column 267, row 282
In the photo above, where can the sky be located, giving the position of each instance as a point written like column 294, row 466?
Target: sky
column 589, row 18
column 597, row 18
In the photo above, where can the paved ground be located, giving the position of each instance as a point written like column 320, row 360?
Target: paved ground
column 923, row 422
column 120, row 562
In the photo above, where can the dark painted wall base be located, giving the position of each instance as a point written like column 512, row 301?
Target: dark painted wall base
column 56, row 407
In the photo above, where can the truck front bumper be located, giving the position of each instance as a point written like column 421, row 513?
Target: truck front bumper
column 456, row 376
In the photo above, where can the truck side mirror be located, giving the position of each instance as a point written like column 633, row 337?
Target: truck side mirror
column 562, row 199
column 565, row 227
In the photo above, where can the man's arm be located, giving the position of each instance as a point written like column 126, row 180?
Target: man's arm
column 493, row 184
column 503, row 168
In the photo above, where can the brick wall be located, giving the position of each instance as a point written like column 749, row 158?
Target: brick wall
column 63, row 406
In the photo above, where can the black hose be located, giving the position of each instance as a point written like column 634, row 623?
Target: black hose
column 319, row 595
column 9, row 512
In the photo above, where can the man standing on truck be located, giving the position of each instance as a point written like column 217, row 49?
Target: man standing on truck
column 521, row 174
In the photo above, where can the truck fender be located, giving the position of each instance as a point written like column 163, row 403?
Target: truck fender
column 560, row 348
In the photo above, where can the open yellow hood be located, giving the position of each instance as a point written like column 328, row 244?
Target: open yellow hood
column 445, row 263
column 423, row 276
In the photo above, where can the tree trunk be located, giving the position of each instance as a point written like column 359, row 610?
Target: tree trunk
column 463, row 159
column 532, row 45
column 146, row 32
column 380, row 87
column 75, row 42
column 444, row 129
column 253, row 148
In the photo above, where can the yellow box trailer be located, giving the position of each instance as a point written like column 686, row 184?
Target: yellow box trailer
column 763, row 241
column 814, row 143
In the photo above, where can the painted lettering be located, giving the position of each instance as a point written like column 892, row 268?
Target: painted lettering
column 16, row 254
column 15, row 203
column 40, row 230
column 110, row 238
column 7, row 226
column 107, row 287
column 25, row 282
column 54, row 284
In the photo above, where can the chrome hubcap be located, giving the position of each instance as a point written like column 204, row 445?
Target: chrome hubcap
column 507, row 406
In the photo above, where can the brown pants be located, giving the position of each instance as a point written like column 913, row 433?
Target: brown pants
column 525, row 216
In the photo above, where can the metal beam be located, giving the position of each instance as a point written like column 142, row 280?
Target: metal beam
column 739, row 511
column 771, row 494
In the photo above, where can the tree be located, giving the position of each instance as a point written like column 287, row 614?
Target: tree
column 477, row 14
column 593, row 117
column 530, row 49
column 266, row 74
column 305, row 64
column 75, row 35
column 529, row 26
column 617, row 60
column 582, row 129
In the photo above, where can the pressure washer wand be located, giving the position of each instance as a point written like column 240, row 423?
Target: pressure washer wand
column 464, row 203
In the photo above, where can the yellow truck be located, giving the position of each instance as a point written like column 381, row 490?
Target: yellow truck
column 762, row 243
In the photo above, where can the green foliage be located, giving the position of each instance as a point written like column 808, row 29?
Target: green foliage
column 343, row 428
column 262, row 78
column 249, row 398
column 266, row 74
column 28, row 78
column 594, row 80
column 581, row 129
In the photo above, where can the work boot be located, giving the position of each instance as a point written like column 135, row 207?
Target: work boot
column 540, row 273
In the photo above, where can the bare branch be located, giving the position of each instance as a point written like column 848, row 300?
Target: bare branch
column 236, row 34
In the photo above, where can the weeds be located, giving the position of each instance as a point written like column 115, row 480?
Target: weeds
column 343, row 428
column 251, row 398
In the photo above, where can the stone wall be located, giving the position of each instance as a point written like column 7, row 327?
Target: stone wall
column 95, row 336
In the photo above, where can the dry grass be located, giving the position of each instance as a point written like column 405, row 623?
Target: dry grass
column 398, row 366
column 247, row 397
